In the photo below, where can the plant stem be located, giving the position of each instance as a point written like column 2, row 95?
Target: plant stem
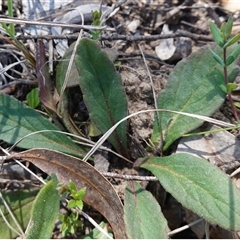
column 10, row 14
column 234, row 111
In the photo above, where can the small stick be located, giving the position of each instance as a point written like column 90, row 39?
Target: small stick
column 129, row 177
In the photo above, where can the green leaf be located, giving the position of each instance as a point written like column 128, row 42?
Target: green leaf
column 103, row 91
column 237, row 104
column 217, row 58
column 233, row 56
column 81, row 193
column 17, row 120
column 223, row 87
column 71, row 204
column 216, row 34
column 233, row 74
column 32, row 98
column 199, row 186
column 72, row 186
column 193, row 87
column 232, row 41
column 92, row 130
column 223, row 28
column 79, row 204
column 10, row 14
column 20, row 202
column 231, row 87
column 142, row 214
column 69, row 223
column 44, row 212
column 62, row 69
column 228, row 28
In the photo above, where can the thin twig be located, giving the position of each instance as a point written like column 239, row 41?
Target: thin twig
column 129, row 177
column 132, row 38
column 54, row 24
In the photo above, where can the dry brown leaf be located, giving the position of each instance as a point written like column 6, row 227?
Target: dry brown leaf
column 100, row 193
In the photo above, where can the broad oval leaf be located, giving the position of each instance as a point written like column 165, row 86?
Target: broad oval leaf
column 103, row 91
column 193, row 87
column 99, row 192
column 17, row 120
column 142, row 214
column 20, row 202
column 199, row 186
column 44, row 212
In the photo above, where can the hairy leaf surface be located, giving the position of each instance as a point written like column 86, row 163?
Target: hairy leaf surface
column 194, row 86
column 44, row 212
column 17, row 120
column 142, row 214
column 103, row 91
column 199, row 186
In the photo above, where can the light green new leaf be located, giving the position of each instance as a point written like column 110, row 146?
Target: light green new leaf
column 44, row 212
column 17, row 120
column 237, row 104
column 193, row 87
column 103, row 91
column 231, row 87
column 19, row 202
column 199, row 186
column 33, row 99
column 142, row 214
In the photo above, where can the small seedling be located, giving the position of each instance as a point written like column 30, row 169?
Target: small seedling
column 71, row 223
column 222, row 36
column 96, row 15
